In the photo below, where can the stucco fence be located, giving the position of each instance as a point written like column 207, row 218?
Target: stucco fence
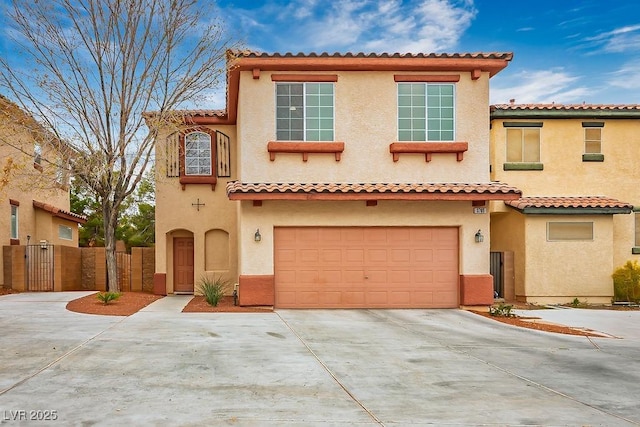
column 64, row 268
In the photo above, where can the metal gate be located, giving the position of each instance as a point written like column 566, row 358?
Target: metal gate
column 497, row 271
column 39, row 267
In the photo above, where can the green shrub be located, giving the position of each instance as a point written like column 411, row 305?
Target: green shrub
column 575, row 303
column 107, row 297
column 626, row 282
column 213, row 290
column 502, row 310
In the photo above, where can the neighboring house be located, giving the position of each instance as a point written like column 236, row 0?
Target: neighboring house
column 335, row 180
column 34, row 185
column 577, row 166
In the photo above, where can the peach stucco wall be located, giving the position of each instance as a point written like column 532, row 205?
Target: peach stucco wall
column 556, row 272
column 256, row 258
column 177, row 217
column 366, row 121
column 565, row 174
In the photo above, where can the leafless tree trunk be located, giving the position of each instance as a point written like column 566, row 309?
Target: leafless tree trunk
column 88, row 69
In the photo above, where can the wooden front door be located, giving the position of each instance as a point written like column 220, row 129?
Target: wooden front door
column 183, row 264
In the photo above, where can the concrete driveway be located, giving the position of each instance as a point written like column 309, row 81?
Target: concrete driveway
column 303, row 367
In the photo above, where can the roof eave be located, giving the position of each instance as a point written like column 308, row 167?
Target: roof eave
column 572, row 211
column 564, row 114
column 351, row 196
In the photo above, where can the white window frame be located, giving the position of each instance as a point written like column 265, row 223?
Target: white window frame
column 204, row 162
column 637, row 229
column 62, row 235
column 556, row 239
column 15, row 222
column 425, row 119
column 306, row 108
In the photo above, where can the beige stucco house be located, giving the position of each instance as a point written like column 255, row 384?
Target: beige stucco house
column 577, row 168
column 34, row 190
column 335, row 180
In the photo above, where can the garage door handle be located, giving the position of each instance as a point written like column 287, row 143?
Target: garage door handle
column 366, row 277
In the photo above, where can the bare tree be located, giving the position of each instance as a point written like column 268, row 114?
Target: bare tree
column 88, row 70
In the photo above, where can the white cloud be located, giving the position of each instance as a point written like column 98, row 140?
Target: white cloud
column 359, row 25
column 627, row 77
column 544, row 86
column 618, row 40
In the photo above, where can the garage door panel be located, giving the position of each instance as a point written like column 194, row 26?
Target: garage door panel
column 331, row 255
column 376, row 256
column 402, row 267
column 353, row 298
column 331, row 298
column 354, row 256
column 309, row 255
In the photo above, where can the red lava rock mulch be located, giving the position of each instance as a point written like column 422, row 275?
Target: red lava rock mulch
column 128, row 304
column 199, row 305
column 530, row 323
column 5, row 291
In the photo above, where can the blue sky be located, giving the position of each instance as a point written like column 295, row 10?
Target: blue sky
column 565, row 51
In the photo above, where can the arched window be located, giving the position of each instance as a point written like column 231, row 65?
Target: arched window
column 197, row 154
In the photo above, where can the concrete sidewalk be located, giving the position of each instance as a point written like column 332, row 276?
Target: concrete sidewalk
column 303, row 367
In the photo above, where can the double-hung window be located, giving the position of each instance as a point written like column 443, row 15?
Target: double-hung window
column 198, row 153
column 305, row 111
column 426, row 112
column 592, row 142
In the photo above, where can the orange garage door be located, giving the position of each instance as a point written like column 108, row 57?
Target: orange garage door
column 366, row 267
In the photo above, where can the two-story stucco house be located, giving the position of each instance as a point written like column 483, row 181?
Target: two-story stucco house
column 577, row 168
column 335, row 180
column 34, row 188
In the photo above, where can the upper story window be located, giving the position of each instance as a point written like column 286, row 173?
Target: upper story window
column 197, row 156
column 637, row 239
column 62, row 171
column 523, row 145
column 304, row 111
column 14, row 221
column 426, row 112
column 592, row 142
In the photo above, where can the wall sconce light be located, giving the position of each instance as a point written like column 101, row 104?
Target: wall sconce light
column 44, row 244
column 479, row 237
column 257, row 237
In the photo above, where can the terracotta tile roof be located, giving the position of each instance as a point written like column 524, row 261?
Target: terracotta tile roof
column 565, row 107
column 60, row 213
column 577, row 202
column 475, row 55
column 192, row 113
column 338, row 191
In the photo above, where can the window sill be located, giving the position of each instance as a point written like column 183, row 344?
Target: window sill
column 593, row 157
column 305, row 148
column 428, row 148
column 198, row 179
column 524, row 166
column 635, row 250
